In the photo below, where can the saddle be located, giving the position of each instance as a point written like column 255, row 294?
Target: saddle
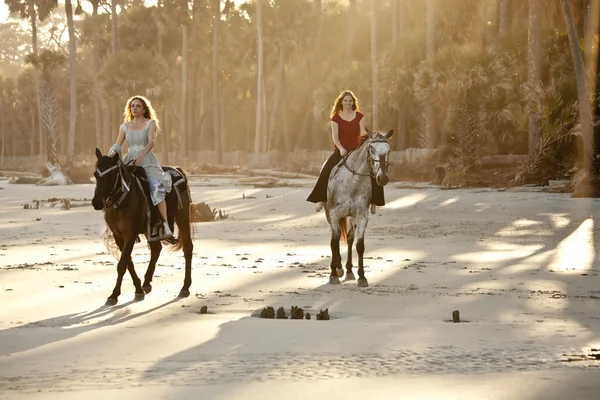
column 174, row 200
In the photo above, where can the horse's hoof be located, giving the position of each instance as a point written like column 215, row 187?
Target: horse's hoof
column 334, row 280
column 139, row 296
column 111, row 301
column 362, row 282
column 339, row 272
column 147, row 289
column 184, row 293
column 350, row 276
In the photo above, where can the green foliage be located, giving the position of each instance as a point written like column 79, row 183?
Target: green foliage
column 476, row 80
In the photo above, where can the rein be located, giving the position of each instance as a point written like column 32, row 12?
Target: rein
column 124, row 187
column 369, row 159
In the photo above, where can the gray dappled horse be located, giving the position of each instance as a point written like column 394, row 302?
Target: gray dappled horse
column 348, row 199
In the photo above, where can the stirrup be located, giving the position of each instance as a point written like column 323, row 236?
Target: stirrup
column 169, row 239
column 373, row 208
column 320, row 206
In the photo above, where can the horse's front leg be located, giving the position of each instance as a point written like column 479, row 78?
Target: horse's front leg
column 155, row 249
column 336, row 257
column 350, row 239
column 361, row 227
column 121, row 268
column 137, row 283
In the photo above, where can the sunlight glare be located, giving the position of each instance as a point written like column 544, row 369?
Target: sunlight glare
column 406, row 201
column 448, row 202
column 576, row 252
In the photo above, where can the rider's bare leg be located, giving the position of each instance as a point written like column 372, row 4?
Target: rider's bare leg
column 162, row 207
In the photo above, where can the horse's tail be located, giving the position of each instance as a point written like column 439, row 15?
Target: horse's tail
column 343, row 227
column 189, row 227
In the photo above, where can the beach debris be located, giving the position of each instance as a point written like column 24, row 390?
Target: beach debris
column 201, row 212
column 456, row 316
column 296, row 313
column 281, row 313
column 323, row 315
column 267, row 312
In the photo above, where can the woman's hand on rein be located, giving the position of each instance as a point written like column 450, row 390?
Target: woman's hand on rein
column 139, row 160
column 343, row 152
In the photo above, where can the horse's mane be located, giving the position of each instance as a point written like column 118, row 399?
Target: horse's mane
column 362, row 138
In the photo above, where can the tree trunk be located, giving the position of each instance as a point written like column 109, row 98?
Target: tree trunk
column 38, row 89
column 49, row 117
column 351, row 29
column 374, row 79
column 586, row 155
column 73, row 65
column 259, row 78
column 276, row 95
column 184, row 84
column 265, row 127
column 114, row 30
column 215, row 79
column 3, row 151
column 164, row 136
column 395, row 15
column 430, row 118
column 106, row 127
column 590, row 51
column 503, row 16
column 534, row 66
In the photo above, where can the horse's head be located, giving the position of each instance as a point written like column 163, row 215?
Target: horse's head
column 379, row 151
column 108, row 172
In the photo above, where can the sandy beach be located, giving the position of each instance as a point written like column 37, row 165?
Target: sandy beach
column 521, row 266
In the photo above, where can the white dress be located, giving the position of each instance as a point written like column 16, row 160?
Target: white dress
column 160, row 182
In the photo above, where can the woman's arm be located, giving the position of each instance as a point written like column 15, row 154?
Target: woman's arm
column 152, row 133
column 361, row 124
column 119, row 142
column 335, row 135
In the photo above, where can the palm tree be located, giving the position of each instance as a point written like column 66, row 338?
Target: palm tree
column 430, row 118
column 47, row 62
column 34, row 10
column 258, row 134
column 534, row 66
column 73, row 75
column 374, row 64
column 215, row 76
column 587, row 186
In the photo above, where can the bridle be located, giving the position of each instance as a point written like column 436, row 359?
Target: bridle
column 122, row 187
column 380, row 163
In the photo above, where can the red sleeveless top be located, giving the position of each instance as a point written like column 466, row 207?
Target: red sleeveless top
column 349, row 131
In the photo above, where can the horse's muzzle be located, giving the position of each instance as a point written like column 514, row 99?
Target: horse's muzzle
column 97, row 204
column 382, row 180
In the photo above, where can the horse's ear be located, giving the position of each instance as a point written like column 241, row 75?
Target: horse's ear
column 369, row 133
column 98, row 153
column 389, row 134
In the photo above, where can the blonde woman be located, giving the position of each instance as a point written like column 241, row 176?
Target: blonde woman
column 139, row 130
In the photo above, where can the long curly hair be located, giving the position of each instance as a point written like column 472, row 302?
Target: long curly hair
column 337, row 104
column 149, row 112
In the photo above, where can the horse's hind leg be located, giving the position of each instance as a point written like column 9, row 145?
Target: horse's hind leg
column 361, row 226
column 155, row 248
column 350, row 239
column 185, row 238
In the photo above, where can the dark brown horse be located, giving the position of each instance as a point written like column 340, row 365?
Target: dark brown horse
column 127, row 213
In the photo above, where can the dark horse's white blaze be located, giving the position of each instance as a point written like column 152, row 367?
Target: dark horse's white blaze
column 348, row 201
